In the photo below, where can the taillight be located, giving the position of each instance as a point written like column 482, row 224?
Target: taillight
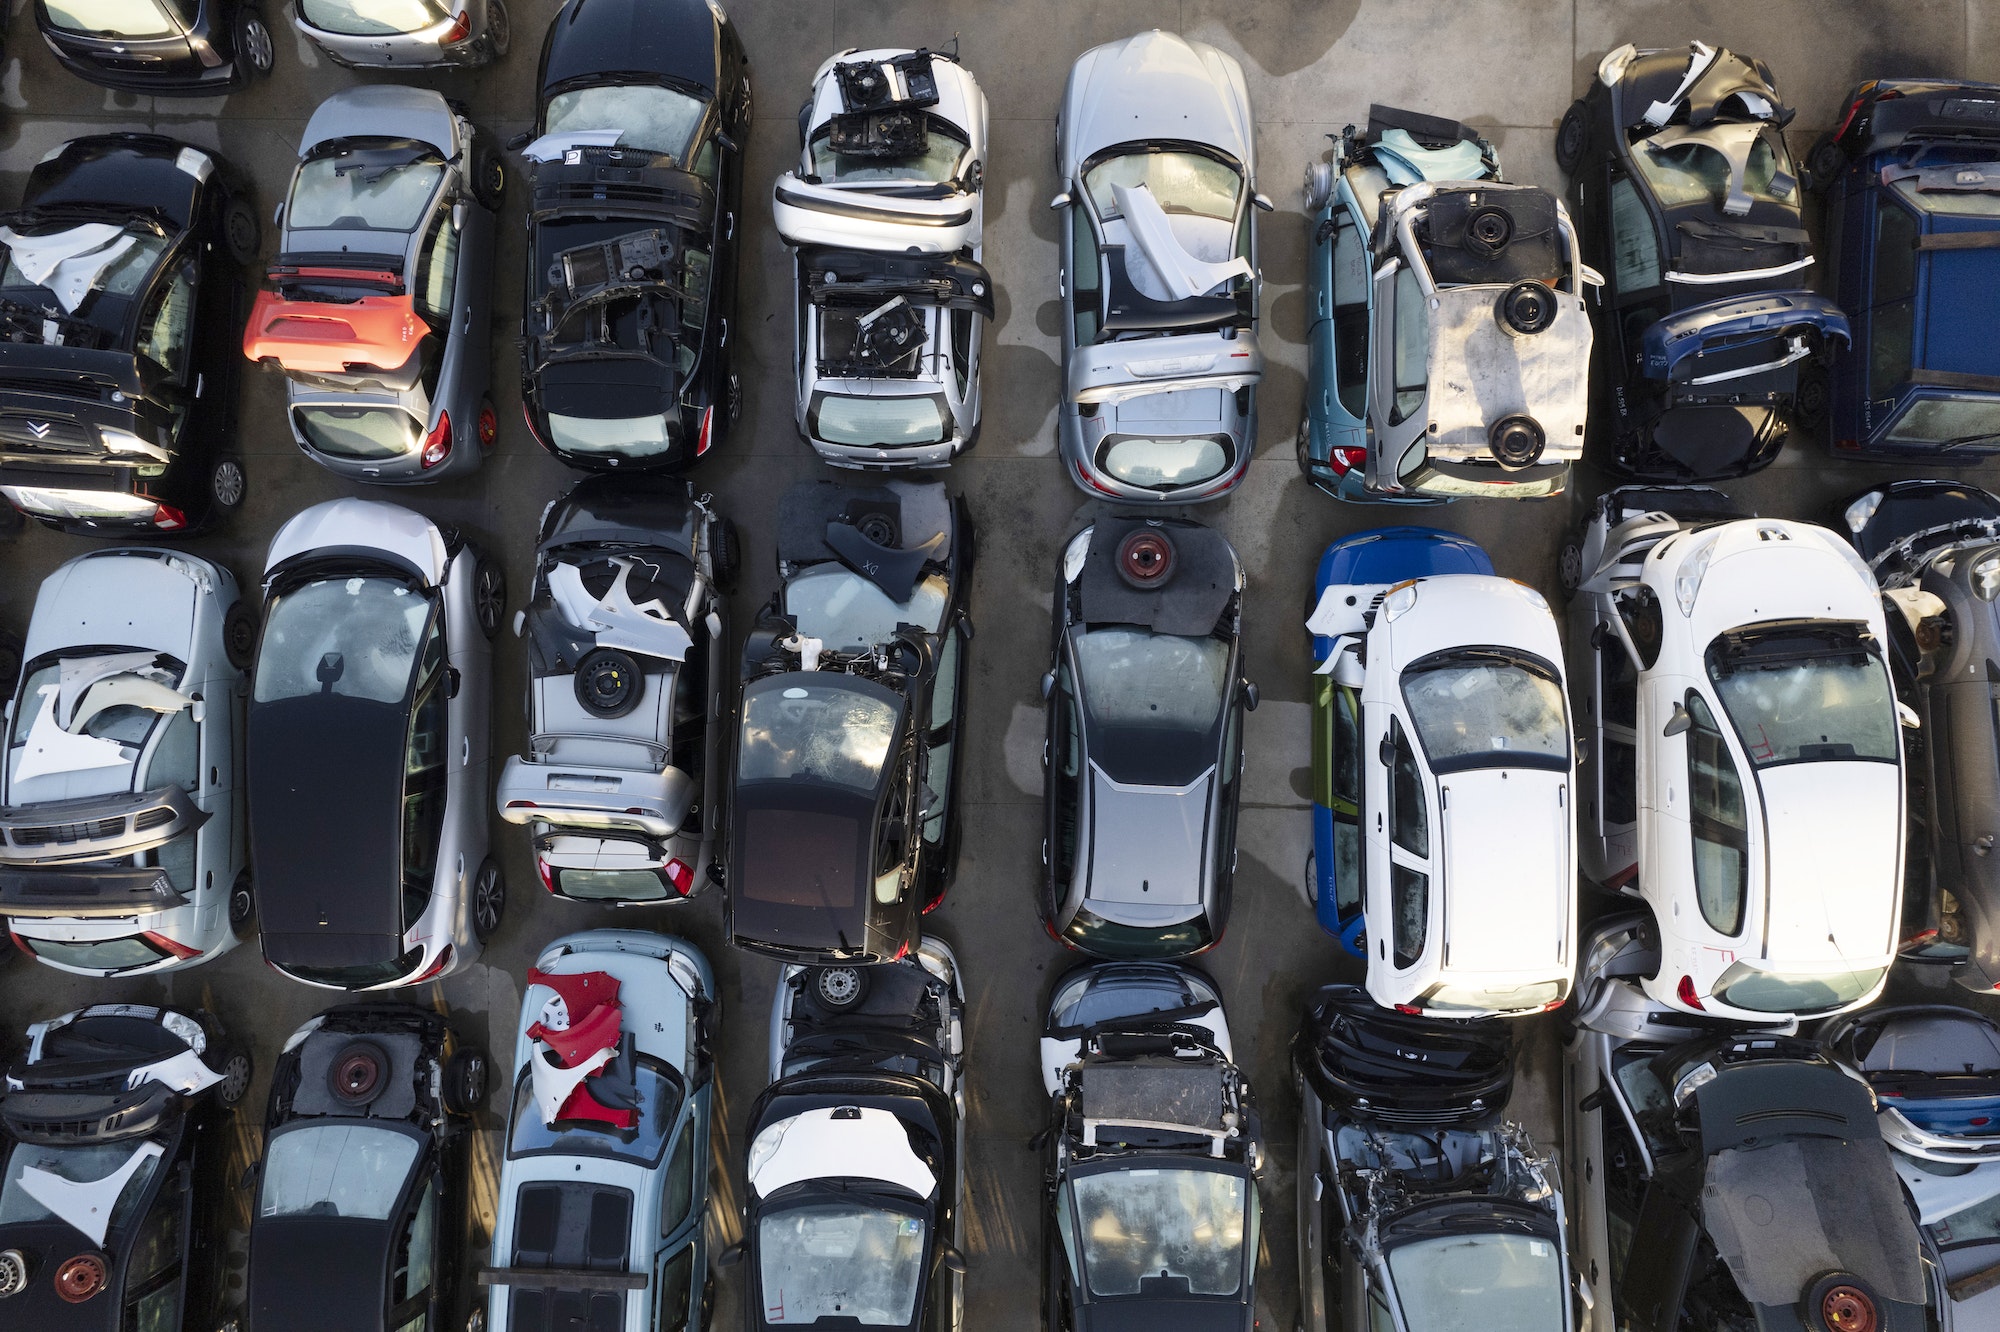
column 1093, row 482
column 522, row 804
column 681, row 875
column 460, row 30
column 1050, row 927
column 1553, row 1004
column 529, row 417
column 174, row 946
column 902, row 952
column 168, row 519
column 548, row 875
column 1411, row 1009
column 20, row 943
column 431, row 972
column 437, row 445
column 705, row 438
column 1341, row 461
column 1686, row 994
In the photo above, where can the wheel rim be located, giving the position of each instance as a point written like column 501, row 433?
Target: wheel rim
column 228, row 483
column 1569, row 139
column 242, row 231
column 489, row 425
column 257, row 44
column 735, row 397
column 1569, row 567
column 235, row 1078
column 840, row 986
column 496, row 179
column 499, row 27
column 240, row 906
column 490, row 600
column 475, row 1081
column 487, row 904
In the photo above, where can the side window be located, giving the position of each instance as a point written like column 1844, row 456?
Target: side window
column 1410, row 900
column 678, row 1195
column 961, row 347
column 1618, row 680
column 1890, row 338
column 944, row 695
column 1635, row 250
column 1350, row 315
column 705, row 161
column 695, row 270
column 1720, row 826
column 153, row 1283
column 174, row 754
column 1085, row 277
column 1412, row 349
column 158, row 1310
column 415, row 1257
column 424, row 776
column 676, row 1284
column 1066, row 765
column 1409, row 820
column 437, row 270
column 1066, row 1228
column 1379, row 1318
column 166, row 324
column 1346, row 758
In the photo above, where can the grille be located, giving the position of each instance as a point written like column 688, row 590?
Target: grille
column 64, row 834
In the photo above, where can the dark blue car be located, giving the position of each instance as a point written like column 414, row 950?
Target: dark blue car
column 1912, row 187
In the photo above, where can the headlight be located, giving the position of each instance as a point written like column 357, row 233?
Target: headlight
column 124, row 441
column 1986, row 576
column 765, row 1148
column 1863, row 509
column 1400, row 598
column 1687, row 583
column 684, row 971
column 185, row 1027
column 1074, row 553
column 1693, row 1081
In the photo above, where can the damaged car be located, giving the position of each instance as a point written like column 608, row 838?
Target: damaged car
column 121, row 292
column 122, row 819
column 1419, row 1210
column 1743, row 773
column 843, row 828
column 1150, row 1212
column 1449, row 345
column 362, row 1191
column 854, row 1211
column 1159, row 278
column 369, row 731
column 626, row 639
column 1935, row 1072
column 604, row 1184
column 636, row 179
column 159, row 48
column 1444, row 720
column 115, row 1193
column 1958, row 1213
column 1709, row 342
column 379, row 308
column 407, row 34
column 883, row 214
column 1142, row 768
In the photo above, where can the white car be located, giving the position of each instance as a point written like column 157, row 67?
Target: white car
column 884, row 214
column 122, row 833
column 604, row 1186
column 1447, row 724
column 1743, row 758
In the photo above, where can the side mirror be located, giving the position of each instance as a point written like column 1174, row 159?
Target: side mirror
column 731, row 1256
column 1048, row 683
column 278, row 214
column 1061, row 200
column 1250, row 696
column 954, row 1261
column 1263, row 203
column 198, row 710
column 519, row 141
column 1679, row 723
column 520, row 622
column 458, row 216
column 1907, row 715
column 250, row 1173
column 451, row 680
column 1591, row 277
column 1385, row 752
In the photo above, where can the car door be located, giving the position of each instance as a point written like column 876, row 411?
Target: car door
column 1337, row 840
column 1338, row 343
column 1611, row 702
column 1890, row 332
column 1399, row 855
column 433, row 778
column 681, row 1254
column 164, row 335
column 709, row 272
column 155, row 1289
column 413, row 1272
column 1635, row 284
column 1082, row 277
column 940, row 743
column 471, row 724
column 1064, row 783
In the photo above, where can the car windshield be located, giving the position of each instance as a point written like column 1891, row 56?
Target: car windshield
column 79, row 1164
column 372, row 18
column 370, row 189
column 1181, row 182
column 1760, row 991
column 1981, row 201
column 638, row 436
column 1804, row 697
column 1499, row 1283
column 1693, row 172
column 847, row 1261
column 356, row 637
column 346, row 1170
column 796, row 727
column 1947, row 420
column 660, row 1097
column 1487, row 708
column 1166, row 464
column 848, row 612
column 841, row 418
column 938, row 162
column 1156, row 682
column 1185, row 1226
column 135, row 19
column 365, row 434
column 644, row 114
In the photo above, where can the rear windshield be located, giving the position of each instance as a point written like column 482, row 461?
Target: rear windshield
column 364, row 434
column 838, row 418
column 137, row 19
column 372, row 18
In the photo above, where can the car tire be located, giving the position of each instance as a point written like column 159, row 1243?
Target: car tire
column 254, row 47
column 489, row 175
column 242, row 905
column 489, row 901
column 1569, row 565
column 237, row 1071
column 1833, row 1302
column 1809, row 400
column 241, row 234
column 733, row 395
column 227, row 484
column 838, row 989
column 489, row 597
column 466, row 1075
column 1575, row 128
column 499, row 29
column 728, row 559
column 239, row 635
column 1825, row 161
column 476, row 1321
column 1319, row 185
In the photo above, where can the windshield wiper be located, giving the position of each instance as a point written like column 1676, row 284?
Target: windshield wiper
column 1968, row 439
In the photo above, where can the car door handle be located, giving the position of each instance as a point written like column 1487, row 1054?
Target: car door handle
column 729, row 226
column 723, row 341
column 465, row 750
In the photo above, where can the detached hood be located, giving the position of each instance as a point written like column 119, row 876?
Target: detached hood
column 1509, row 871
column 1157, row 85
column 1833, row 840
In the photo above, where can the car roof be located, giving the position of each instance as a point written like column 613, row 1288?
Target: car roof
column 320, row 1274
column 680, row 40
column 1953, row 283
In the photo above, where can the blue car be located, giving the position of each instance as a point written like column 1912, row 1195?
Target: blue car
column 1384, row 556
column 1935, row 1071
column 1911, row 181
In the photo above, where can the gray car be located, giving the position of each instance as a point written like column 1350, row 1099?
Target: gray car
column 402, row 34
column 1159, row 271
column 1143, row 763
column 379, row 308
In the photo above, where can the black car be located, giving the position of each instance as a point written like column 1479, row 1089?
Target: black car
column 842, row 825
column 120, row 301
column 632, row 234
column 1365, row 1061
column 1934, row 547
column 1709, row 348
column 165, row 48
column 114, row 1200
column 1143, row 765
column 854, row 1205
column 1150, row 1165
column 361, row 1210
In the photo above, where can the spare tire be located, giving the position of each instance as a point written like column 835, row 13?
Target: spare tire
column 838, row 989
column 1489, row 231
column 1840, row 1302
column 1516, row 441
column 609, row 682
column 1146, row 558
column 358, row 1074
column 1527, row 308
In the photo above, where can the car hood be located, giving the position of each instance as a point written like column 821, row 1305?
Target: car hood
column 1148, row 843
column 1156, row 85
column 370, row 526
column 1833, row 840
column 384, row 110
column 1509, row 871
column 126, row 599
column 674, row 39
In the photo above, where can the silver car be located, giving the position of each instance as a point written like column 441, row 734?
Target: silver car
column 122, row 832
column 369, row 730
column 379, row 309
column 1159, row 271
column 402, row 34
